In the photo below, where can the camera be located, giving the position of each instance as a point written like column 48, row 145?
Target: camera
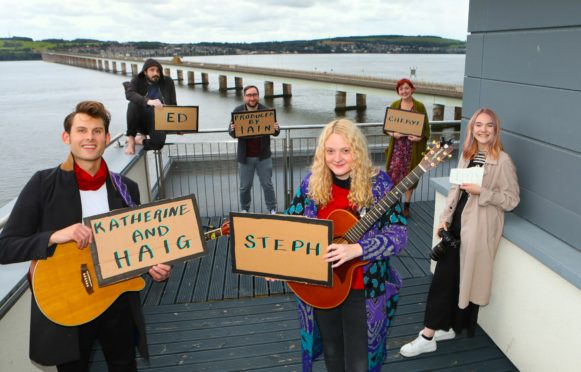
column 448, row 241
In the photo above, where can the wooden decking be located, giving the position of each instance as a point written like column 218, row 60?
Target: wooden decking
column 205, row 318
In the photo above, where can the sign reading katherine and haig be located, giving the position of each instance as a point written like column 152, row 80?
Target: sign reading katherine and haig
column 174, row 119
column 128, row 242
column 404, row 122
column 283, row 247
column 254, row 123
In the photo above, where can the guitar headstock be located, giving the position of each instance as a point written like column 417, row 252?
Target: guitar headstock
column 223, row 230
column 436, row 154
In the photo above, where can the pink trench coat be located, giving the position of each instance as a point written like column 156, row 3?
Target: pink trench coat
column 482, row 223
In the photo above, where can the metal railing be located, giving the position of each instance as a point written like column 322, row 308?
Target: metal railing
column 207, row 167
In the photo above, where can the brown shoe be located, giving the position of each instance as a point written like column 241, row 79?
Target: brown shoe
column 406, row 210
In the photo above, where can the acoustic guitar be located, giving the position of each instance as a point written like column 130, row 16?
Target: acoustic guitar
column 348, row 229
column 65, row 286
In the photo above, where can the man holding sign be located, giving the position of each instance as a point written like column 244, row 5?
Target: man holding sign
column 146, row 91
column 254, row 155
column 48, row 213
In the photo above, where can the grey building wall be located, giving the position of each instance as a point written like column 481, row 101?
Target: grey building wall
column 524, row 61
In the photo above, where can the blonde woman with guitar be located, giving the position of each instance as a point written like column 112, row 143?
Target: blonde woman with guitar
column 342, row 185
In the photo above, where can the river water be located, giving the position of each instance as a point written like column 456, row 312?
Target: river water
column 36, row 96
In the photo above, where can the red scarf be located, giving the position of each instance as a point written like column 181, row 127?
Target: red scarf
column 87, row 182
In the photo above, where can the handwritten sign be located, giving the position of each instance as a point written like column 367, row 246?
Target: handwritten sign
column 474, row 175
column 284, row 247
column 404, row 122
column 176, row 119
column 127, row 243
column 254, row 123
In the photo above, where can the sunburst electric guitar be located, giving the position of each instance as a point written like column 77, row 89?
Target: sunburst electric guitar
column 348, row 229
column 65, row 285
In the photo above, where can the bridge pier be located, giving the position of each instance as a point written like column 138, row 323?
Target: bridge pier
column 438, row 112
column 180, row 76
column 124, row 68
column 107, row 65
column 100, row 64
column 134, row 69
column 238, row 83
column 167, row 72
column 341, row 102
column 205, row 80
column 269, row 90
column 191, row 80
column 114, row 64
column 223, row 83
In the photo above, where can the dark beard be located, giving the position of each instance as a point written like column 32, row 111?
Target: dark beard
column 152, row 81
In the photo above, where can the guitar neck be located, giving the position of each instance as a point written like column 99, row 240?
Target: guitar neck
column 356, row 231
column 213, row 234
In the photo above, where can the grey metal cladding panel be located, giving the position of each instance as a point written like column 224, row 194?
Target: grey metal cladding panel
column 549, row 115
column 499, row 15
column 548, row 58
column 549, row 178
column 471, row 96
column 475, row 44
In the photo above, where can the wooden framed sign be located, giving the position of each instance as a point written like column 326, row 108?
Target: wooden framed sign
column 175, row 119
column 284, row 247
column 126, row 243
column 404, row 122
column 254, row 123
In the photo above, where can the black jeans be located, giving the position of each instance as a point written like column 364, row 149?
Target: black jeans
column 141, row 120
column 344, row 333
column 116, row 332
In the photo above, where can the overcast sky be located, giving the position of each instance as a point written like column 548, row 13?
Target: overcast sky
column 192, row 21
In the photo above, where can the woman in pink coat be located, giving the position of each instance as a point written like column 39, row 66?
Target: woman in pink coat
column 474, row 215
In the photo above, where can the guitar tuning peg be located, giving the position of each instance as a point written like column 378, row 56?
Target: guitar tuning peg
column 433, row 164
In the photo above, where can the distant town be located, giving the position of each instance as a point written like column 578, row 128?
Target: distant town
column 24, row 48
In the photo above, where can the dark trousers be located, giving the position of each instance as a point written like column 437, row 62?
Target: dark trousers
column 116, row 331
column 141, row 120
column 344, row 333
column 442, row 311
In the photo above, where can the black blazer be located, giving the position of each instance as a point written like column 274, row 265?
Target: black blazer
column 49, row 202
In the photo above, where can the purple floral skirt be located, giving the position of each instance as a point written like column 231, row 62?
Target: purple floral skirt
column 401, row 158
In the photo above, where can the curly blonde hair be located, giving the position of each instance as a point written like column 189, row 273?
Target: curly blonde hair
column 320, row 184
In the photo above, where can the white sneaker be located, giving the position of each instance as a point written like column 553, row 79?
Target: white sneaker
column 243, row 211
column 418, row 346
column 442, row 335
column 273, row 211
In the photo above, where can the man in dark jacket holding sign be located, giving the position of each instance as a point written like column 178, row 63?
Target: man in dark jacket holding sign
column 254, row 155
column 149, row 89
column 49, row 212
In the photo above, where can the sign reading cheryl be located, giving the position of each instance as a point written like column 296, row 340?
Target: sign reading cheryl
column 128, row 242
column 404, row 122
column 172, row 119
column 284, row 247
column 254, row 123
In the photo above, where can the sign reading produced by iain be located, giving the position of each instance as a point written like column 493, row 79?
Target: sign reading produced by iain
column 254, row 123
column 176, row 119
column 284, row 247
column 404, row 122
column 128, row 242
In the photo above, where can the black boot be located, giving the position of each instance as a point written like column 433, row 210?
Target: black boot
column 406, row 210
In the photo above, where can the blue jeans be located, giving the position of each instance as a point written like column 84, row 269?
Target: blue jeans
column 264, row 170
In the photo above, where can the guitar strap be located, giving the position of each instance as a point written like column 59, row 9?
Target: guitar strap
column 122, row 189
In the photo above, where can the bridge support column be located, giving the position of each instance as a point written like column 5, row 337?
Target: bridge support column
column 223, row 82
column 100, row 64
column 205, row 80
column 340, row 101
column 360, row 101
column 114, row 66
column 268, row 89
column 134, row 69
column 438, row 112
column 238, row 83
column 107, row 66
column 180, row 76
column 191, row 80
column 124, row 68
column 457, row 113
column 167, row 72
column 287, row 90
